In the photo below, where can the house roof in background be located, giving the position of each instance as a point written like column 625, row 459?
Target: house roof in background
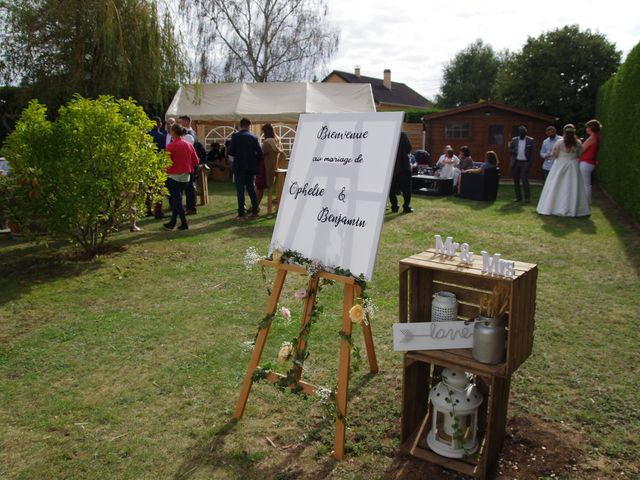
column 400, row 93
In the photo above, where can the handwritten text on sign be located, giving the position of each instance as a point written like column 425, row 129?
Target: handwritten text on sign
column 432, row 335
column 336, row 188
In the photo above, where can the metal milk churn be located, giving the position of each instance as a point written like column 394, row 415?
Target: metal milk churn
column 489, row 336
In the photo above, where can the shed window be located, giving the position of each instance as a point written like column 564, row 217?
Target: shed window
column 456, row 130
column 496, row 134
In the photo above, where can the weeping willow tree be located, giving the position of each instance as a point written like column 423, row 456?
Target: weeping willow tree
column 260, row 40
column 58, row 48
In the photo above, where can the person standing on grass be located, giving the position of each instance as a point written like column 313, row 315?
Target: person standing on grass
column 170, row 123
column 589, row 157
column 246, row 152
column 521, row 152
column 159, row 136
column 564, row 194
column 191, row 137
column 183, row 161
column 547, row 149
column 272, row 152
column 401, row 180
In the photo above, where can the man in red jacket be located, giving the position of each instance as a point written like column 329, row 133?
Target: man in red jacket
column 183, row 161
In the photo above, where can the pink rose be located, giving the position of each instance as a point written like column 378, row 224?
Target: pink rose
column 286, row 313
column 300, row 293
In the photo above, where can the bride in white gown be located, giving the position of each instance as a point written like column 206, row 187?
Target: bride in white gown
column 564, row 193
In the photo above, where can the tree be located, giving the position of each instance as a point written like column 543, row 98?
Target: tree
column 90, row 47
column 78, row 176
column 559, row 73
column 470, row 76
column 262, row 40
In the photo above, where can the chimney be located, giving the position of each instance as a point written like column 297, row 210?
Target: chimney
column 387, row 79
column 357, row 71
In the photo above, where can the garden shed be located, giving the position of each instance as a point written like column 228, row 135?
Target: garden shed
column 486, row 126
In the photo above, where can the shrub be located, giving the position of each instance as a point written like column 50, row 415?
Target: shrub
column 79, row 176
column 619, row 111
column 415, row 115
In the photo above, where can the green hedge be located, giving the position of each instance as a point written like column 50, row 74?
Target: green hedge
column 415, row 115
column 618, row 109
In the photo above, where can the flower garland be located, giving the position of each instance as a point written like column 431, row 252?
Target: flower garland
column 361, row 313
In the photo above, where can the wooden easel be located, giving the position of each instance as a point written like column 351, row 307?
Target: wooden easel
column 351, row 291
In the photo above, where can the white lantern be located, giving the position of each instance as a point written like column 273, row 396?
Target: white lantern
column 454, row 425
column 444, row 307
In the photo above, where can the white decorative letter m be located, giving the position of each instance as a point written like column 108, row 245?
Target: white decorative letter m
column 491, row 264
column 446, row 248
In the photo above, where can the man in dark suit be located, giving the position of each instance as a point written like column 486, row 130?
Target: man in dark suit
column 246, row 152
column 521, row 150
column 402, row 176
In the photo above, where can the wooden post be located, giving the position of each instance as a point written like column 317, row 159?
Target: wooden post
column 272, row 304
column 203, row 186
column 343, row 374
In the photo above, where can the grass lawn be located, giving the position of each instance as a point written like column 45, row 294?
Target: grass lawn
column 129, row 365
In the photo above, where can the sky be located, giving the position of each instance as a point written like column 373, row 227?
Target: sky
column 415, row 38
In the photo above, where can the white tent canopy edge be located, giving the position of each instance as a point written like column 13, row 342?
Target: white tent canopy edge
column 269, row 102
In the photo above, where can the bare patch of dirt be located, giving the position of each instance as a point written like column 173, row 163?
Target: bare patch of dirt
column 533, row 449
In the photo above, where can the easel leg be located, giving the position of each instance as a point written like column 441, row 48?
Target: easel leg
column 312, row 291
column 272, row 304
column 368, row 341
column 371, row 351
column 343, row 374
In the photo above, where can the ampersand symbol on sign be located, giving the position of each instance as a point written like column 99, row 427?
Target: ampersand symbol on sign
column 341, row 195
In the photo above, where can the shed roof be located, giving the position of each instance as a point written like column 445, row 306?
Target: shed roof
column 499, row 106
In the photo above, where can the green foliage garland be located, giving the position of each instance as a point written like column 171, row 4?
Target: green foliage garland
column 289, row 380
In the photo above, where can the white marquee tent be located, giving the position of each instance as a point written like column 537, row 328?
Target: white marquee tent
column 269, row 102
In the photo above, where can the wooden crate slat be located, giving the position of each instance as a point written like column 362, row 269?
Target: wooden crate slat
column 431, row 255
column 425, row 282
column 403, row 292
column 496, row 419
column 467, row 293
column 415, row 396
column 450, row 463
column 477, row 284
column 444, row 263
column 459, row 358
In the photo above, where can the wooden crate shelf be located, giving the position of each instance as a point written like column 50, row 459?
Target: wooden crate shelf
column 421, row 276
column 418, row 378
column 426, row 273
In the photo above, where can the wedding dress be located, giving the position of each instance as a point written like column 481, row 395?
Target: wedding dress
column 564, row 193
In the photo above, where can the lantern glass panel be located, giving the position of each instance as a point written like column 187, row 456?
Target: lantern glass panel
column 442, row 422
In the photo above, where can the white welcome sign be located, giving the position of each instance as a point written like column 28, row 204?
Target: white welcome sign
column 336, row 189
